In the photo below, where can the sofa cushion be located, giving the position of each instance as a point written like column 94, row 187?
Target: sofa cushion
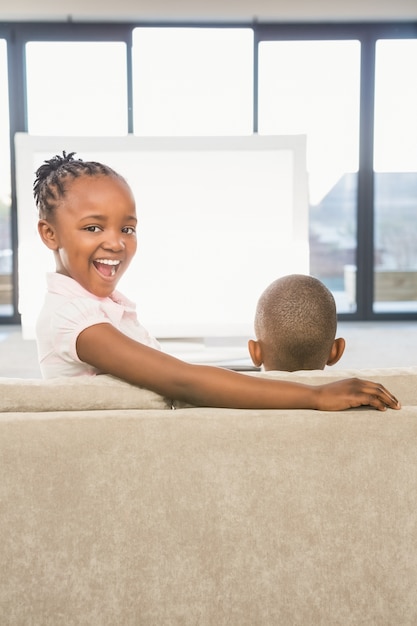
column 76, row 394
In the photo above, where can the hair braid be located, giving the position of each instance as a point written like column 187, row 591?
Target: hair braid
column 49, row 186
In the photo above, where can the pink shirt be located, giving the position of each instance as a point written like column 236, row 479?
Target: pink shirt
column 69, row 309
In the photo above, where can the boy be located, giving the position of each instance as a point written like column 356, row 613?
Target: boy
column 295, row 326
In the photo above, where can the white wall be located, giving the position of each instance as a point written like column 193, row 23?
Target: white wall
column 224, row 10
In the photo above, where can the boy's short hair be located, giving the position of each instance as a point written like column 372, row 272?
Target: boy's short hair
column 295, row 323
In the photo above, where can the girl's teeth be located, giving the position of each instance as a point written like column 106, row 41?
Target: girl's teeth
column 108, row 262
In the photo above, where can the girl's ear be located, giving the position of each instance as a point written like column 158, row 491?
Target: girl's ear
column 48, row 234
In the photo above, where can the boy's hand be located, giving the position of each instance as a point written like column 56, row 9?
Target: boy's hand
column 354, row 392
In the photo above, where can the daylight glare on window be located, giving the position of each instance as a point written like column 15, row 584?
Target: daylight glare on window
column 6, row 291
column 312, row 88
column 395, row 179
column 87, row 88
column 4, row 128
column 193, row 81
column 395, row 106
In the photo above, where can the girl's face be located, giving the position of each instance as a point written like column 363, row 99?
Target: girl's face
column 93, row 232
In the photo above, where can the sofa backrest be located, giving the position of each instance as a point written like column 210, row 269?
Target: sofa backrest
column 83, row 393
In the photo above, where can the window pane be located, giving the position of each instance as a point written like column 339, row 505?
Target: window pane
column 193, row 81
column 84, row 91
column 395, row 164
column 312, row 88
column 6, row 294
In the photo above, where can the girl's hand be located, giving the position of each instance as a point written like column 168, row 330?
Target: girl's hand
column 354, row 392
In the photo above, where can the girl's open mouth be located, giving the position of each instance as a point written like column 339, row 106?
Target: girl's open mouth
column 106, row 267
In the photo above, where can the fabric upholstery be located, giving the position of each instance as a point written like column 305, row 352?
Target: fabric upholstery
column 209, row 517
column 82, row 393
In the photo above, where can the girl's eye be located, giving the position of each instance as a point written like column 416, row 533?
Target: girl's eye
column 92, row 229
column 129, row 230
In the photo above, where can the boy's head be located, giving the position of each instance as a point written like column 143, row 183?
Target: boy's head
column 295, row 326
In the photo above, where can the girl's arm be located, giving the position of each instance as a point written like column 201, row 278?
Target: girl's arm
column 112, row 352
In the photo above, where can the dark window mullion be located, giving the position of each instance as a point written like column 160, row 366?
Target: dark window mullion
column 255, row 80
column 129, row 72
column 18, row 123
column 365, row 203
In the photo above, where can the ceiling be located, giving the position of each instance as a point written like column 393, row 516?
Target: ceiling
column 208, row 10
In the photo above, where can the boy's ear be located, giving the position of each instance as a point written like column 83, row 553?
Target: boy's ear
column 336, row 351
column 48, row 235
column 255, row 352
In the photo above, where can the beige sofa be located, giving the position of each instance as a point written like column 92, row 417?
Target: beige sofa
column 118, row 511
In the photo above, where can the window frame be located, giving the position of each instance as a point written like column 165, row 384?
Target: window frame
column 17, row 34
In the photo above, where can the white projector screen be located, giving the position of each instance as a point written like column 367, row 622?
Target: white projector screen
column 219, row 218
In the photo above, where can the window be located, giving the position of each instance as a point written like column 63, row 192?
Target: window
column 84, row 91
column 348, row 87
column 193, row 81
column 6, row 290
column 312, row 88
column 395, row 166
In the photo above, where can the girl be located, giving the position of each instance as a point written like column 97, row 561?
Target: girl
column 87, row 217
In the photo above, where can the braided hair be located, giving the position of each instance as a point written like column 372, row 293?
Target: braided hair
column 49, row 186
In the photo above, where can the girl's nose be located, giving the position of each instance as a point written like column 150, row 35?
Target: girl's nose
column 114, row 241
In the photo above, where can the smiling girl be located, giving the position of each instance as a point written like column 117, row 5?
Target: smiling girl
column 87, row 218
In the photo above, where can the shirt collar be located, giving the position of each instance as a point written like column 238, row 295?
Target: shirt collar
column 67, row 286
